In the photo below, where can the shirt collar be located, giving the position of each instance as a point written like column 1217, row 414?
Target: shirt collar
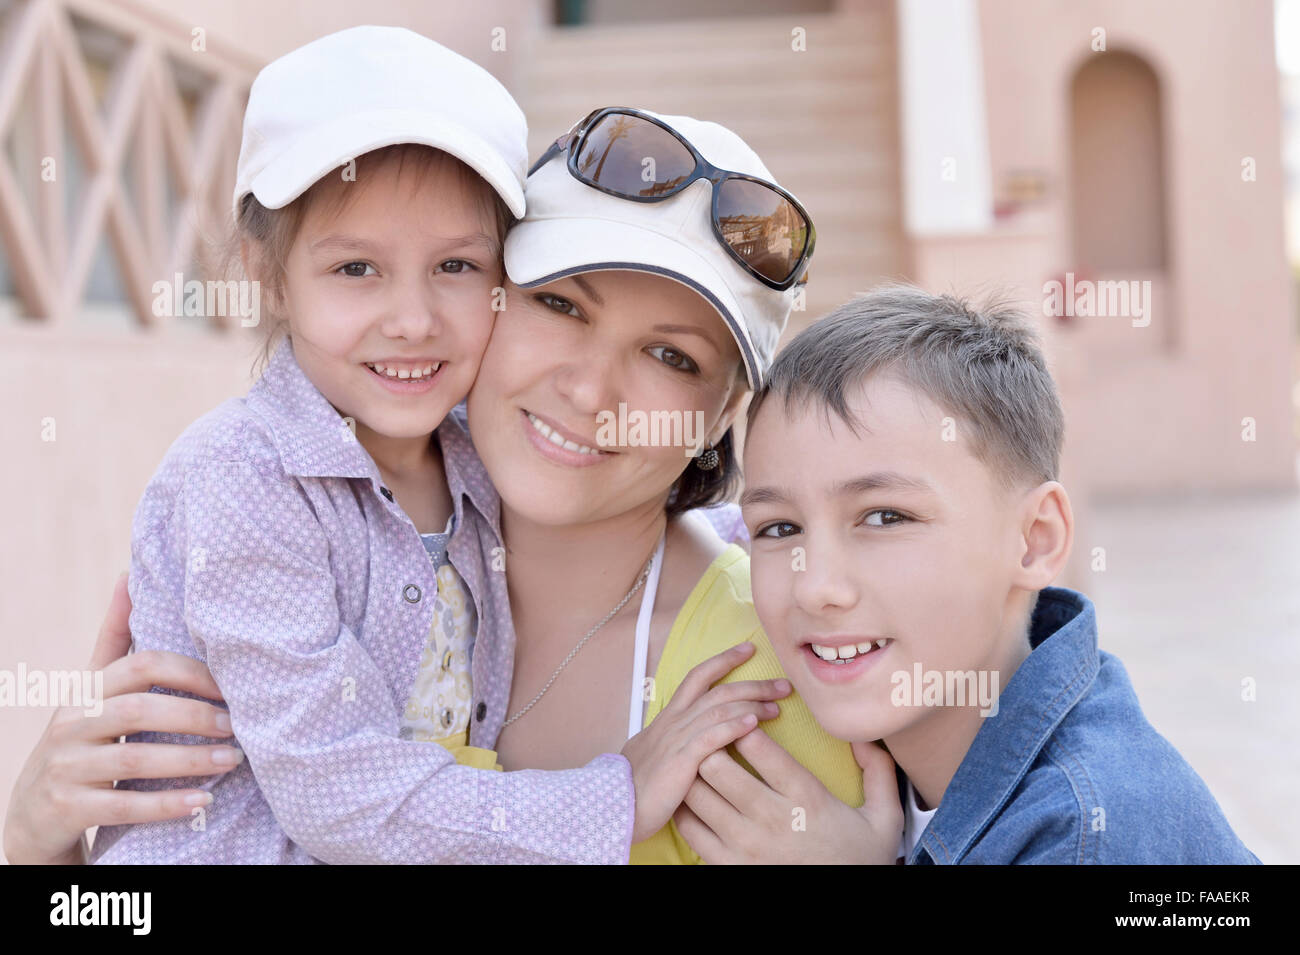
column 466, row 476
column 313, row 439
column 1061, row 666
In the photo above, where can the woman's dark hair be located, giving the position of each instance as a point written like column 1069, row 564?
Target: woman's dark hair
column 699, row 488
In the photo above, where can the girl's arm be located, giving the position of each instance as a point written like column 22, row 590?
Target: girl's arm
column 727, row 523
column 315, row 715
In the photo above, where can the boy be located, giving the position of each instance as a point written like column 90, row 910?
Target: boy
column 907, row 522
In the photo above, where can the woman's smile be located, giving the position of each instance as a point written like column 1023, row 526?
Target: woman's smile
column 558, row 444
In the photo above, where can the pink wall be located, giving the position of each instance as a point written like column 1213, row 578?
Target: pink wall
column 267, row 30
column 1147, row 415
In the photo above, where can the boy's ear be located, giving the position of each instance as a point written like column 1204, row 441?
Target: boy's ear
column 1047, row 533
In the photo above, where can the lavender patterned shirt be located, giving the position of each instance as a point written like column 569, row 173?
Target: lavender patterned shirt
column 267, row 546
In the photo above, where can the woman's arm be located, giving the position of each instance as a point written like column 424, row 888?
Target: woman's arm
column 66, row 785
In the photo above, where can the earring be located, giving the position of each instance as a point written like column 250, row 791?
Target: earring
column 707, row 460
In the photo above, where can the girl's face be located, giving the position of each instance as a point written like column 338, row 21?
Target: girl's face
column 388, row 289
column 564, row 357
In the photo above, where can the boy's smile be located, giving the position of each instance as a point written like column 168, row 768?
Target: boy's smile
column 841, row 658
column 893, row 533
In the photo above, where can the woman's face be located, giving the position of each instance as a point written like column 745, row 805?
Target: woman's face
column 545, row 408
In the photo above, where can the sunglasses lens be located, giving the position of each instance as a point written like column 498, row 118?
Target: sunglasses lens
column 762, row 227
column 633, row 157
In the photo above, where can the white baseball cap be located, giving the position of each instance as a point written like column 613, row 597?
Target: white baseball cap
column 341, row 96
column 572, row 228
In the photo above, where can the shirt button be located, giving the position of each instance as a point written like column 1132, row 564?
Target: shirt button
column 411, row 593
column 446, row 661
column 387, row 493
column 481, row 712
column 447, row 717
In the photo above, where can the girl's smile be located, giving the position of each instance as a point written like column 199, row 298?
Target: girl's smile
column 405, row 377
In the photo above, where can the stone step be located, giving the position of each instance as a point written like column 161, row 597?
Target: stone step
column 822, row 30
column 554, row 112
column 702, row 68
column 773, row 138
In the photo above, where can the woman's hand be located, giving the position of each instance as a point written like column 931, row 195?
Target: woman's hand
column 731, row 817
column 66, row 785
column 698, row 720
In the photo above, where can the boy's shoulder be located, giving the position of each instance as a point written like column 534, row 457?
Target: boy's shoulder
column 1108, row 788
column 1070, row 771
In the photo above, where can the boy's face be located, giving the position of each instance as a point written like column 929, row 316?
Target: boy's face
column 891, row 534
column 401, row 276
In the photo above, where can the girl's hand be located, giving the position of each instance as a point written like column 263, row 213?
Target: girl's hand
column 731, row 817
column 699, row 719
column 66, row 785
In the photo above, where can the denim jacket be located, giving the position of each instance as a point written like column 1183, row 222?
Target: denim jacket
column 1069, row 771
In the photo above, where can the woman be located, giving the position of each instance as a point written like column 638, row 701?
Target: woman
column 618, row 308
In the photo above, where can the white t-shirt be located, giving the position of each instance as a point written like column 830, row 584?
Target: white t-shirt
column 915, row 819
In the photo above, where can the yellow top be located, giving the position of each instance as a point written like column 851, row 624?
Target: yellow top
column 467, row 755
column 719, row 614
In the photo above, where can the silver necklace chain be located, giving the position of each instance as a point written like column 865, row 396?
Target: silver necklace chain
column 583, row 642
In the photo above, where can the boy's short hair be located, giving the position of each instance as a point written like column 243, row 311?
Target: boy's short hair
column 982, row 364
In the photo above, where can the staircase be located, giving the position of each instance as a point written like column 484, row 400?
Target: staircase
column 825, row 120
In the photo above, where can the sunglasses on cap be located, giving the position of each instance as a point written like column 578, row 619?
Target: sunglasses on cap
column 762, row 226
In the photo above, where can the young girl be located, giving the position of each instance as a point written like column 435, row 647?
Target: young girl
column 281, row 538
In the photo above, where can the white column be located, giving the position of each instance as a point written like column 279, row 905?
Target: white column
column 946, row 179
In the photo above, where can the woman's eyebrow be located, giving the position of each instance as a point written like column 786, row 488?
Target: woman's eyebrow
column 688, row 330
column 588, row 288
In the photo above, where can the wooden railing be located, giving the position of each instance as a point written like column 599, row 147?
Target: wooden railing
column 154, row 110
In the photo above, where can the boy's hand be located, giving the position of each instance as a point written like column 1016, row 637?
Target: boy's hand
column 699, row 719
column 730, row 817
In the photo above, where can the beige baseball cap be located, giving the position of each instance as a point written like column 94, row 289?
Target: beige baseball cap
column 360, row 89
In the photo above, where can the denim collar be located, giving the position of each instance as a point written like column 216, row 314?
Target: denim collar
column 313, row 439
column 1061, row 666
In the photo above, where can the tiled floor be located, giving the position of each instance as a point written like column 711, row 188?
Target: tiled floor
column 1199, row 595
